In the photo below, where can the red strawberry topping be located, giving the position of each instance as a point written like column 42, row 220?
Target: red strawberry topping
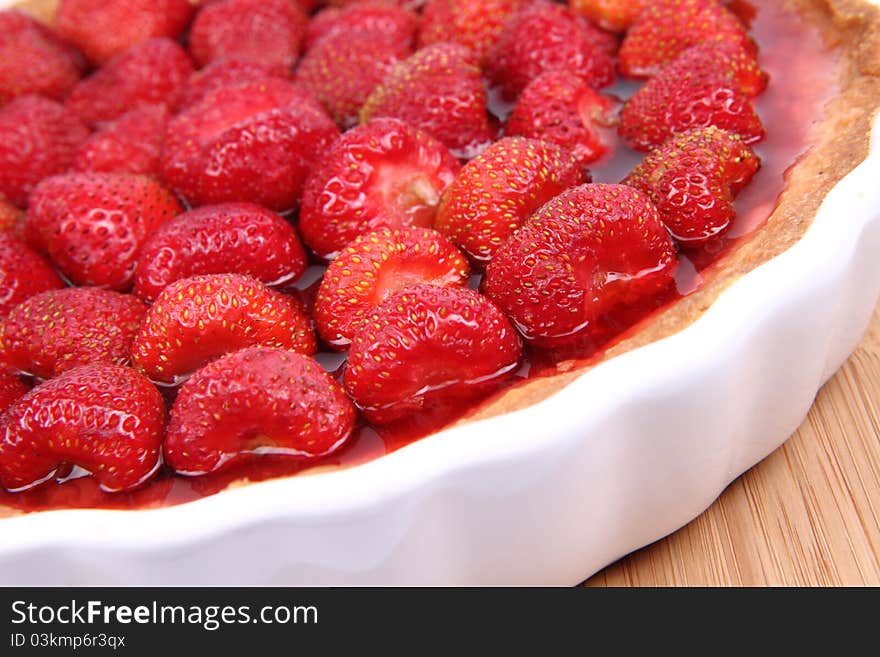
column 106, row 419
column 499, row 189
column 560, row 107
column 55, row 331
column 11, row 388
column 439, row 90
column 254, row 141
column 130, row 144
column 23, row 273
column 195, row 320
column 383, row 173
column 379, row 20
column 93, row 225
column 231, row 238
column 38, row 138
column 33, row 60
column 267, row 31
column 612, row 15
column 426, row 344
column 375, row 266
column 693, row 179
column 589, row 252
column 256, row 401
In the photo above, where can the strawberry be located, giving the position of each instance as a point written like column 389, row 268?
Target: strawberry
column 666, row 28
column 476, row 24
column 55, row 331
column 382, row 21
column 103, row 29
column 585, row 256
column 375, row 266
column 230, row 238
column 195, row 320
column 106, row 419
column 425, row 345
column 254, row 141
column 33, row 60
column 11, row 218
column 257, row 401
column 226, row 72
column 723, row 60
column 560, row 107
column 38, row 138
column 683, row 96
column 267, row 31
column 499, row 189
column 152, row 72
column 383, row 173
column 438, row 90
column 130, row 144
column 693, row 179
column 23, row 273
column 11, row 388
column 340, row 72
column 611, row 15
column 93, row 225
column 545, row 37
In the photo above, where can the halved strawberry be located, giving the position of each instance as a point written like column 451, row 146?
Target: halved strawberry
column 498, row 190
column 93, row 225
column 55, row 331
column 693, row 179
column 152, row 72
column 257, row 401
column 11, row 388
column 23, row 273
column 195, row 320
column 375, row 266
column 130, row 144
column 439, row 90
column 666, row 28
column 106, row 419
column 230, row 238
column 612, row 15
column 585, row 256
column 254, row 141
column 560, row 107
column 38, row 138
column 227, row 72
column 544, row 37
column 476, row 24
column 426, row 345
column 382, row 21
column 102, row 29
column 383, row 173
column 267, row 31
column 33, row 60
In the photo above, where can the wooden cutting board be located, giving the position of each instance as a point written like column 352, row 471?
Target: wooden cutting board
column 808, row 515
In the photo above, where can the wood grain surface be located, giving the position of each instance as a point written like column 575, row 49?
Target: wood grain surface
column 808, row 515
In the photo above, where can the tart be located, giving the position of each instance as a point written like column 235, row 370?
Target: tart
column 835, row 81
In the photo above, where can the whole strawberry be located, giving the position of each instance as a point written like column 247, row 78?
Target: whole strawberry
column 230, row 238
column 666, row 28
column 195, row 320
column 33, row 60
column 588, row 255
column 612, row 15
column 102, row 29
column 375, row 266
column 38, row 138
column 438, row 90
column 560, row 107
column 255, row 141
column 11, row 388
column 226, row 72
column 268, row 31
column 381, row 174
column 544, row 37
column 58, row 330
column 693, row 179
column 106, row 419
column 426, row 345
column 257, row 401
column 382, row 21
column 23, row 273
column 130, row 144
column 93, row 225
column 152, row 72
column 498, row 190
